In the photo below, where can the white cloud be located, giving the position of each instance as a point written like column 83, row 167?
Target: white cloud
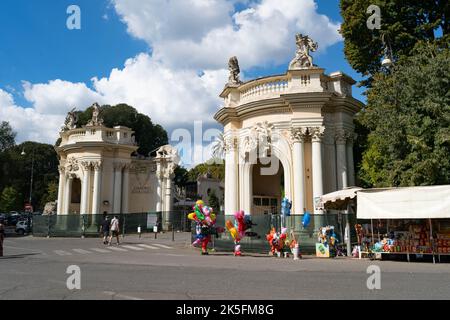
column 208, row 34
column 170, row 96
column 27, row 122
column 58, row 96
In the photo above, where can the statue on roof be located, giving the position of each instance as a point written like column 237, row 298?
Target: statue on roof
column 233, row 66
column 96, row 120
column 302, row 58
column 71, row 120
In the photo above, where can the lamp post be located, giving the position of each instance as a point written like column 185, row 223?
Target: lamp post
column 32, row 171
column 387, row 61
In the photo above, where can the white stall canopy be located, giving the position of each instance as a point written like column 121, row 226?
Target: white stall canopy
column 404, row 203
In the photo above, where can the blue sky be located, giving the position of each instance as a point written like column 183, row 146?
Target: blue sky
column 45, row 69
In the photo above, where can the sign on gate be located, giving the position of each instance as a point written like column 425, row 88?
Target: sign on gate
column 152, row 220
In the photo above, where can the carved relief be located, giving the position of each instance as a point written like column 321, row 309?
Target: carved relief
column 72, row 165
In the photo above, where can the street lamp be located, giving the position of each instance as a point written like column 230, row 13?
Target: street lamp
column 32, row 170
column 387, row 60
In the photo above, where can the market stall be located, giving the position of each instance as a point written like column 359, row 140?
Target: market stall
column 408, row 221
column 342, row 202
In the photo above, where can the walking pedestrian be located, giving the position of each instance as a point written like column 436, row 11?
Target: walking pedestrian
column 114, row 230
column 2, row 236
column 105, row 229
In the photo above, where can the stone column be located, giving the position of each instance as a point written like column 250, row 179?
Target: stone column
column 350, row 161
column 117, row 201
column 84, row 206
column 159, row 193
column 67, row 194
column 317, row 165
column 125, row 188
column 341, row 159
column 231, row 176
column 97, row 188
column 61, row 184
column 298, row 135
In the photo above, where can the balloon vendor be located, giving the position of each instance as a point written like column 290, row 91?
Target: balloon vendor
column 205, row 225
column 238, row 229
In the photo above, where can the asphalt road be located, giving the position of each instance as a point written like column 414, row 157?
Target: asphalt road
column 35, row 268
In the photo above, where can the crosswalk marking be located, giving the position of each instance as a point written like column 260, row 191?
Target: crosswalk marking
column 62, row 253
column 81, row 251
column 162, row 246
column 148, row 247
column 100, row 250
column 117, row 249
column 133, row 248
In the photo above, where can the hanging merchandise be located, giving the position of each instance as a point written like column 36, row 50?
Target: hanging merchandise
column 327, row 241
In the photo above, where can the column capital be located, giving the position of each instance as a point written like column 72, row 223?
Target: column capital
column 351, row 136
column 340, row 136
column 118, row 166
column 317, row 133
column 231, row 143
column 62, row 169
column 298, row 134
column 86, row 165
column 97, row 165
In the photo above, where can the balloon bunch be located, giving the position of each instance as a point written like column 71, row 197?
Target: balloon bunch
column 205, row 221
column 286, row 206
column 277, row 240
column 238, row 230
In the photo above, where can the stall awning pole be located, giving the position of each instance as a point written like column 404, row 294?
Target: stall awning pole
column 371, row 226
column 431, row 239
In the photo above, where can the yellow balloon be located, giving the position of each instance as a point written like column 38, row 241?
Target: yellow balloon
column 212, row 216
column 233, row 232
column 191, row 216
column 199, row 202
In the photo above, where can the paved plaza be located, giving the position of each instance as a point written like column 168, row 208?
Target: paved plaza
column 148, row 268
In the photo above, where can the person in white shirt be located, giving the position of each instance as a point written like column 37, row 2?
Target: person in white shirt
column 114, row 230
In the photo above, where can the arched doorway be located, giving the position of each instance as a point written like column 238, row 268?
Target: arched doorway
column 75, row 196
column 268, row 186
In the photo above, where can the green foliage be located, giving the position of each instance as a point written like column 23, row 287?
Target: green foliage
column 10, row 200
column 148, row 136
column 214, row 169
column 213, row 201
column 7, row 136
column 181, row 176
column 15, row 170
column 408, row 115
column 404, row 22
column 51, row 194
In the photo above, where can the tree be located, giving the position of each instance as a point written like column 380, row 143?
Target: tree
column 15, row 170
column 213, row 201
column 408, row 115
column 7, row 136
column 215, row 169
column 148, row 136
column 10, row 200
column 51, row 193
column 404, row 23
